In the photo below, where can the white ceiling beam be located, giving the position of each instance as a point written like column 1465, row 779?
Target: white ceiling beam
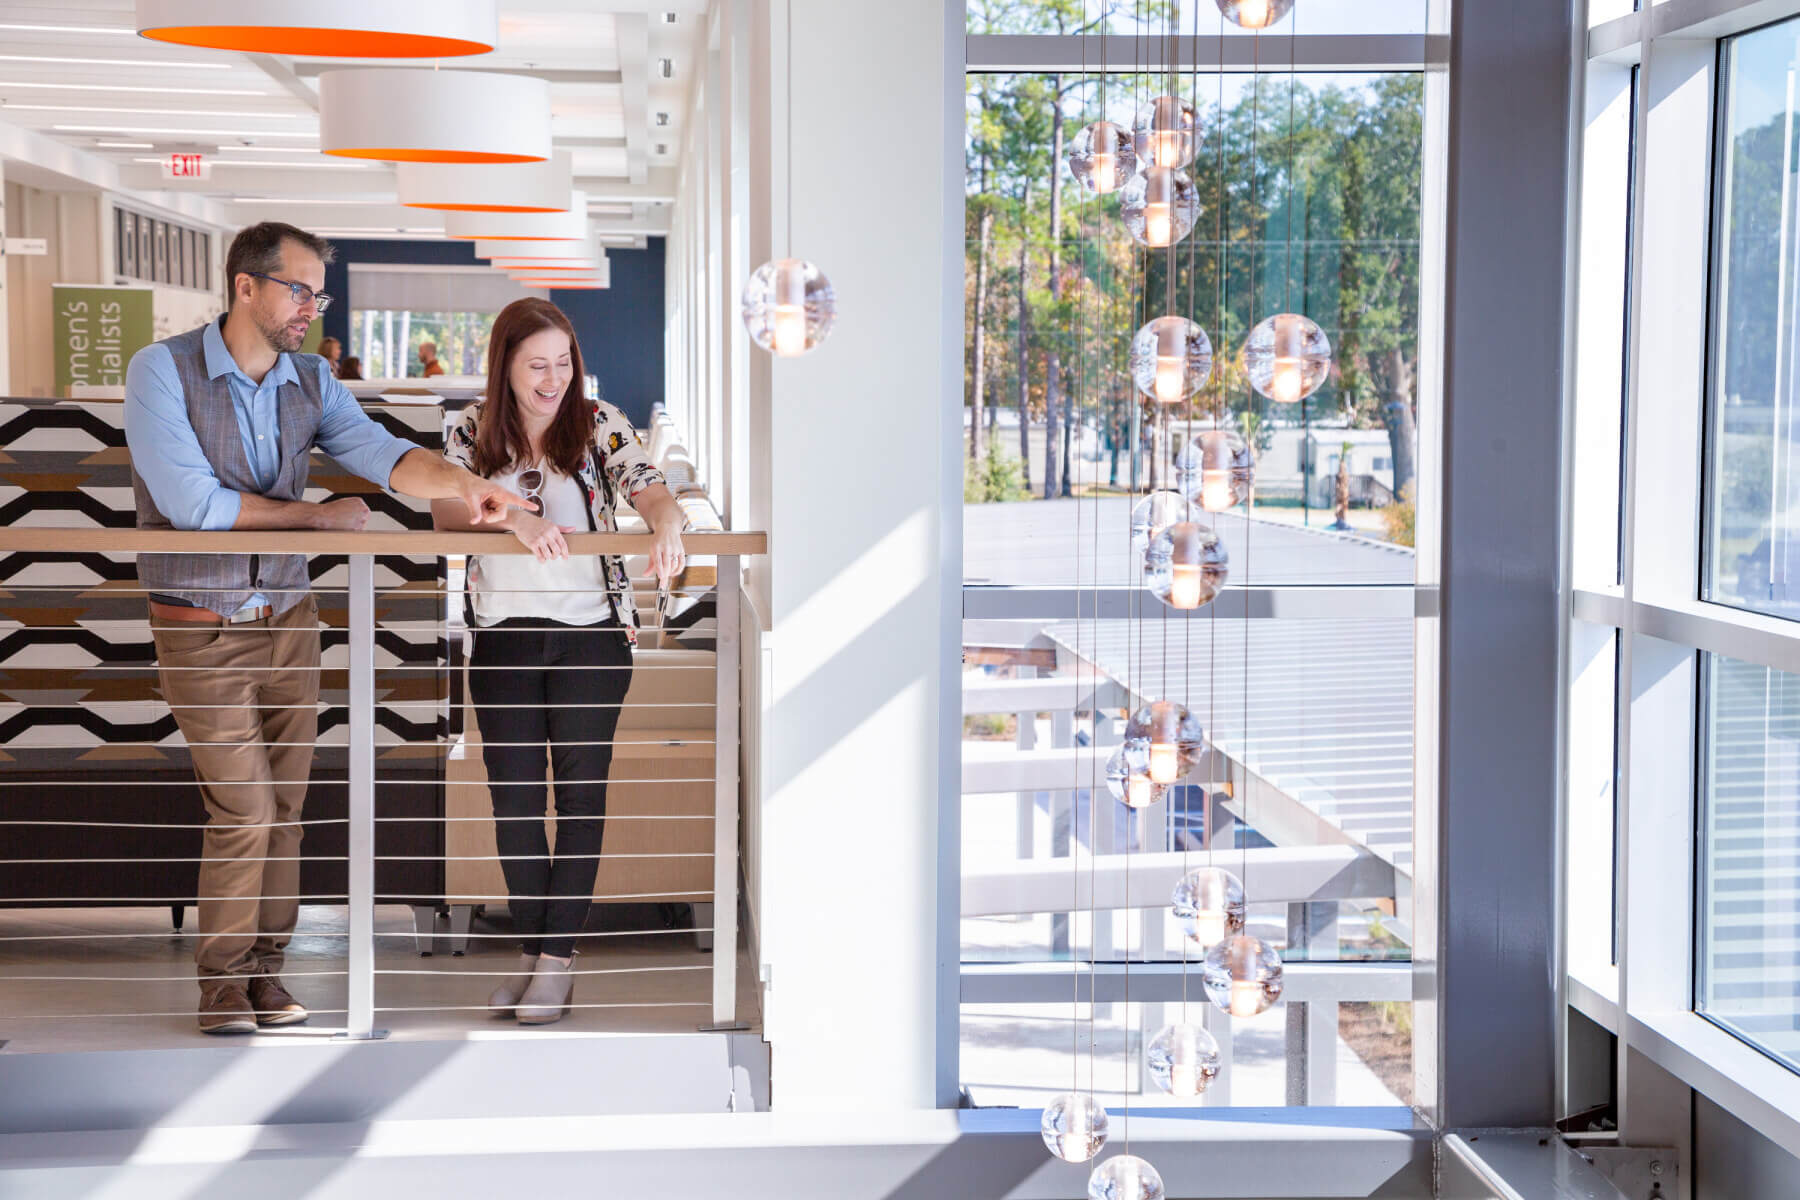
column 633, row 33
column 284, row 77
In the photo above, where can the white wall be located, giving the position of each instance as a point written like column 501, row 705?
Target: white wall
column 837, row 456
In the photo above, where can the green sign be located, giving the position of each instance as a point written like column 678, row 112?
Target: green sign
column 97, row 329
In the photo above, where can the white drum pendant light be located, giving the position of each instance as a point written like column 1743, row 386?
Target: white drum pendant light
column 540, row 251
column 528, row 265
column 403, row 115
column 600, row 276
column 326, row 28
column 535, row 187
column 568, row 226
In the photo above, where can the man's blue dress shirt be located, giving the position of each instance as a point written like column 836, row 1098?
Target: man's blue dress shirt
column 166, row 451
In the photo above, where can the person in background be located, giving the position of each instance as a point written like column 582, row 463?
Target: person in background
column 553, row 631
column 221, row 422
column 428, row 356
column 351, row 369
column 330, row 349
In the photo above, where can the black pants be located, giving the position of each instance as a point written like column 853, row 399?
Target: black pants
column 536, row 681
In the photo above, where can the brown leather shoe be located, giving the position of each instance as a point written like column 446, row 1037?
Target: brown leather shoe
column 226, row 1009
column 273, row 1004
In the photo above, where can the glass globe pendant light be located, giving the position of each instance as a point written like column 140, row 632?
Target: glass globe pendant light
column 1156, row 512
column 1171, row 359
column 1102, row 157
column 1128, row 778
column 1287, row 357
column 1183, row 1059
column 788, row 307
column 1168, row 736
column 1216, row 469
column 1186, row 565
column 1209, row 903
column 1166, row 133
column 1160, row 206
column 1074, row 1126
column 1254, row 14
column 1242, row 975
column 1125, row 1177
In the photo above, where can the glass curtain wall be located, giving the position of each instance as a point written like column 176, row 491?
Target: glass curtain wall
column 1309, row 184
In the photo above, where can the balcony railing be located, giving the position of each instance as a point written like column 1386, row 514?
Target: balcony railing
column 87, row 738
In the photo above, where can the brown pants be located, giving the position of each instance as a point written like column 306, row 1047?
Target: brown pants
column 245, row 697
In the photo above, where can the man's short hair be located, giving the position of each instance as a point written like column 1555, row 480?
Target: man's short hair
column 257, row 250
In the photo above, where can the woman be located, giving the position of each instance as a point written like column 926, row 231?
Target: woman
column 553, row 631
column 351, row 368
column 330, row 349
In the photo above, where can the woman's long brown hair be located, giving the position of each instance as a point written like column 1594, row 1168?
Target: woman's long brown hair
column 500, row 441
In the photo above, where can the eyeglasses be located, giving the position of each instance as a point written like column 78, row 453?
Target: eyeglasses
column 531, row 486
column 299, row 291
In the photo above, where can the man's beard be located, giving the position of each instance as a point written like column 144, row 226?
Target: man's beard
column 281, row 339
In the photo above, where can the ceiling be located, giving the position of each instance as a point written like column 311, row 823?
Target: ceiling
column 76, row 77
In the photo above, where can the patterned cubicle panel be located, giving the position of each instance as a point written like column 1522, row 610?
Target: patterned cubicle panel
column 81, row 715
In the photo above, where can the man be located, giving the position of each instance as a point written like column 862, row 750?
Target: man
column 428, row 356
column 221, row 422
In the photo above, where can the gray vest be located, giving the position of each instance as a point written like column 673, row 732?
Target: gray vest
column 223, row 582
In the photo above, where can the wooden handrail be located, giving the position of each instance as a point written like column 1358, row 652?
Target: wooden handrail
column 418, row 542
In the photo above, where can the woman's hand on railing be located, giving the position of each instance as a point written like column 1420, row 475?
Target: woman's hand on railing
column 543, row 538
column 667, row 556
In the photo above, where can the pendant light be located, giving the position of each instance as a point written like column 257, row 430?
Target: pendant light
column 1102, row 157
column 788, row 305
column 528, row 265
column 1183, row 1059
column 1216, row 469
column 1154, row 513
column 1254, row 14
column 1186, row 565
column 1209, row 903
column 545, row 250
column 1160, row 206
column 1166, row 133
column 1169, row 738
column 1287, row 357
column 1074, row 1126
column 1243, row 975
column 533, row 187
column 566, row 226
column 1125, row 1177
column 400, row 114
column 1128, row 778
column 1171, row 359
column 326, row 28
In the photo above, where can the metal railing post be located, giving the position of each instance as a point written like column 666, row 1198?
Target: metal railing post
column 725, row 800
column 361, row 849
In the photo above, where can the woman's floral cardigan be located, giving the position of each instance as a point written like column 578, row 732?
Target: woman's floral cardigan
column 616, row 466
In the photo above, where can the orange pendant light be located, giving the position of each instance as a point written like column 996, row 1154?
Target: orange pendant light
column 326, row 28
column 401, row 114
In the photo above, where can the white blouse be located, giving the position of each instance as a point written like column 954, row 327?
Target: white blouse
column 571, row 590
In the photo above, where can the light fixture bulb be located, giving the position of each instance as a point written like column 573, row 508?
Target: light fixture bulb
column 1171, row 359
column 1287, row 384
column 1074, row 1126
column 1209, row 903
column 1125, row 1177
column 1158, row 224
column 788, row 307
column 1216, row 469
column 1105, row 168
column 1254, row 14
column 1183, row 1059
column 1287, row 357
column 1185, row 586
column 1243, row 975
column 1215, row 491
column 1165, row 759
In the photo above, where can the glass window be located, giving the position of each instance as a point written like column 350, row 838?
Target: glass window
column 1748, row 981
column 1317, row 17
column 1753, row 452
column 1059, row 442
column 388, row 341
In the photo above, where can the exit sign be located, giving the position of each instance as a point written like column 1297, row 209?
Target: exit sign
column 186, row 166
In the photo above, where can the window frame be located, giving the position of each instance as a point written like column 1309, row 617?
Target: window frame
column 1666, row 628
